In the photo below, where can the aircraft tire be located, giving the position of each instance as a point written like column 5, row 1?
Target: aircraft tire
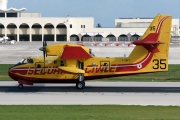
column 80, row 85
column 20, row 86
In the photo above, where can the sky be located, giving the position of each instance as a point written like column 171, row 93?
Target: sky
column 103, row 11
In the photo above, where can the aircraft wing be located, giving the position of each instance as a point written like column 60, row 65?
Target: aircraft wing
column 72, row 70
column 74, row 52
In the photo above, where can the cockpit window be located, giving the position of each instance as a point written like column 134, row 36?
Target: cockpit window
column 30, row 61
column 24, row 61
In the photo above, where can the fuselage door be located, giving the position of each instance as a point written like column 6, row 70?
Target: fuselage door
column 81, row 65
column 105, row 66
column 39, row 68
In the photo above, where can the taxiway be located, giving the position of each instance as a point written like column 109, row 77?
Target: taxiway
column 95, row 93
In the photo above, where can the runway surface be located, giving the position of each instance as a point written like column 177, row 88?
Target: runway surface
column 101, row 93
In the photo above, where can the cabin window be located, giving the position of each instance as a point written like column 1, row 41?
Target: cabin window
column 105, row 64
column 81, row 65
column 49, row 61
column 38, row 66
column 62, row 63
column 55, row 62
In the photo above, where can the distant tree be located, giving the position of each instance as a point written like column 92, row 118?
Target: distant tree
column 98, row 25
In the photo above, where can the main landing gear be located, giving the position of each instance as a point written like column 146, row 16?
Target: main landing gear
column 80, row 84
column 20, row 86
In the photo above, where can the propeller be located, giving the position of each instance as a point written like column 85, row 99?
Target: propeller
column 43, row 48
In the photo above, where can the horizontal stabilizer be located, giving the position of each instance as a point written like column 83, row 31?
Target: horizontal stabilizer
column 72, row 70
column 147, row 43
column 150, row 42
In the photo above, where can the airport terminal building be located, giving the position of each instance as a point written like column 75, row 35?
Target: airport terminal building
column 21, row 26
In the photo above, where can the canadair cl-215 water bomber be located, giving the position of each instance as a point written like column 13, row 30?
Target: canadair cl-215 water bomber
column 73, row 63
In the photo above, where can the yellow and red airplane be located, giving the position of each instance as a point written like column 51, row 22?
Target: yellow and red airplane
column 70, row 63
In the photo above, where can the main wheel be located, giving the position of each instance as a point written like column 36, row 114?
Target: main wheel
column 80, row 85
column 20, row 86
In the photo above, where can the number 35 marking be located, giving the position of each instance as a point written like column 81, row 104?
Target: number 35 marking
column 152, row 28
column 159, row 64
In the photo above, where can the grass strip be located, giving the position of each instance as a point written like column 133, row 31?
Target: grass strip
column 89, row 112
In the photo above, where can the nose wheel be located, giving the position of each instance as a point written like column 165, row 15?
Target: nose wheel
column 20, row 86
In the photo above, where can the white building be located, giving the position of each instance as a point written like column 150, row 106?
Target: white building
column 32, row 27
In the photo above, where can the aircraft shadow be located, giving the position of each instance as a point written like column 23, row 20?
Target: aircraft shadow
column 92, row 89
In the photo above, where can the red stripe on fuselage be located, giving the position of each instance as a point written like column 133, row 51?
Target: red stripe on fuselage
column 40, row 80
column 136, row 66
column 22, row 71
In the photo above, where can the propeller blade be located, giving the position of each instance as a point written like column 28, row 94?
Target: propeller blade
column 44, row 52
column 44, row 48
column 45, row 43
column 41, row 48
column 44, row 55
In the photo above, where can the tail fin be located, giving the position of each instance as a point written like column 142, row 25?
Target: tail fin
column 155, row 42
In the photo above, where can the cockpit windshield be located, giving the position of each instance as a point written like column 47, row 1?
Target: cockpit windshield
column 28, row 60
column 23, row 61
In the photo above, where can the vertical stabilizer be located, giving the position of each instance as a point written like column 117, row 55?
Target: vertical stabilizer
column 155, row 42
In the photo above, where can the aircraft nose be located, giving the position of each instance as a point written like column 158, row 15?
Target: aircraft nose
column 11, row 74
column 9, row 71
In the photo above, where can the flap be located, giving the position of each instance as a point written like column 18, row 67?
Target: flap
column 72, row 70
